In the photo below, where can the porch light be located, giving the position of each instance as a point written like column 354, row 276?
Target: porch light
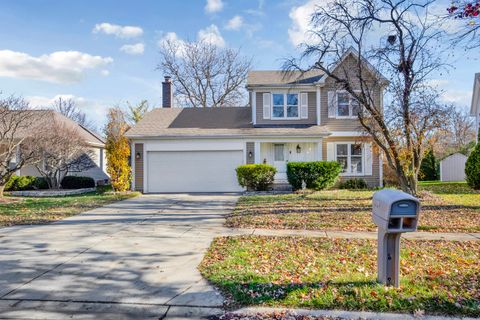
column 250, row 154
column 137, row 156
column 299, row 149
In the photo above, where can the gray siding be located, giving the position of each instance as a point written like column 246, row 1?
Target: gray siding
column 348, row 66
column 374, row 179
column 138, row 167
column 250, row 148
column 312, row 112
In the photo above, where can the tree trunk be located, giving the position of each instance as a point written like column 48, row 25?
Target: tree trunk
column 2, row 187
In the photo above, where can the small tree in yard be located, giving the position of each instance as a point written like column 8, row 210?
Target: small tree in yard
column 118, row 150
column 400, row 40
column 62, row 150
column 17, row 145
column 135, row 113
column 429, row 167
column 472, row 168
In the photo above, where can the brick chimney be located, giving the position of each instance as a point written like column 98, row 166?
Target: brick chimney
column 167, row 94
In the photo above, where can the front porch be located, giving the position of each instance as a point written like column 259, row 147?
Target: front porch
column 279, row 153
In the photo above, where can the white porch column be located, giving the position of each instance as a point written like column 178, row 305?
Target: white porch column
column 257, row 152
column 319, row 150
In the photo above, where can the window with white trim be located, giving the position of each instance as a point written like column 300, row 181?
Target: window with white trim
column 350, row 157
column 285, row 106
column 347, row 106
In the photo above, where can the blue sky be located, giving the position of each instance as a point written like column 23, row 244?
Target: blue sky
column 105, row 52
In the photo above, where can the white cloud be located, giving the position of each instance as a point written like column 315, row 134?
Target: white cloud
column 235, row 23
column 43, row 102
column 117, row 30
column 301, row 16
column 58, row 67
column 134, row 49
column 213, row 6
column 211, row 35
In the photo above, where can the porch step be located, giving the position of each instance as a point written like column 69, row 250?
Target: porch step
column 282, row 186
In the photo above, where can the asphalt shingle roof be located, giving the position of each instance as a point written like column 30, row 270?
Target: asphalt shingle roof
column 211, row 122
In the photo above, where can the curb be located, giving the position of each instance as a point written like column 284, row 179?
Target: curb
column 340, row 314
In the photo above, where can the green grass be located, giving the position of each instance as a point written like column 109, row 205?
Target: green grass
column 446, row 207
column 438, row 277
column 29, row 210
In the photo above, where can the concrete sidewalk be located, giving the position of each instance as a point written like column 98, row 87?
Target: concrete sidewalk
column 135, row 259
column 356, row 234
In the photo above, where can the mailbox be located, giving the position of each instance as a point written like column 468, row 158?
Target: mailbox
column 394, row 212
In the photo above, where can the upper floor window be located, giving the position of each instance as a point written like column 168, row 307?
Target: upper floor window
column 347, row 106
column 284, row 106
column 350, row 157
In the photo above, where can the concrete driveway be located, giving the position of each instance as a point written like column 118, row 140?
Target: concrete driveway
column 135, row 259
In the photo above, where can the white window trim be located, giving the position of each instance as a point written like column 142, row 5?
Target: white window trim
column 349, row 159
column 285, row 117
column 350, row 108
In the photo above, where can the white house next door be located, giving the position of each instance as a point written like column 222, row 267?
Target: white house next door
column 279, row 161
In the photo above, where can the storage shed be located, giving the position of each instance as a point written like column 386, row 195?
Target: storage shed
column 452, row 168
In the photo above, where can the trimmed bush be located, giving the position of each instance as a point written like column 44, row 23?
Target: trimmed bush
column 257, row 177
column 74, row 182
column 353, row 184
column 317, row 175
column 472, row 168
column 22, row 183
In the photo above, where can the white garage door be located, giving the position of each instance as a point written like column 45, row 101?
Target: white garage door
column 193, row 171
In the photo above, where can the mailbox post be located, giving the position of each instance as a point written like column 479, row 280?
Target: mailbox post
column 394, row 212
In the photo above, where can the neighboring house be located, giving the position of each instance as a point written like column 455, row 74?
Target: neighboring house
column 294, row 117
column 94, row 141
column 452, row 168
column 475, row 108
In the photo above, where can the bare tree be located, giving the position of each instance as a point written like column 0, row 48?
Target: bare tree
column 17, row 139
column 68, row 108
column 62, row 150
column 398, row 39
column 204, row 75
column 459, row 133
column 136, row 112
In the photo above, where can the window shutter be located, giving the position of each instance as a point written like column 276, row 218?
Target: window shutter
column 367, row 147
column 304, row 105
column 267, row 102
column 330, row 151
column 332, row 104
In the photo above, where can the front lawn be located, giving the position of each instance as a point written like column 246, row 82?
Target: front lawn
column 438, row 277
column 26, row 210
column 445, row 208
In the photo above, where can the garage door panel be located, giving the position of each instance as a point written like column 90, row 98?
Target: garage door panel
column 193, row 171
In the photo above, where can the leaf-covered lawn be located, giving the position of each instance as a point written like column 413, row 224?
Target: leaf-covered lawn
column 27, row 210
column 442, row 210
column 438, row 277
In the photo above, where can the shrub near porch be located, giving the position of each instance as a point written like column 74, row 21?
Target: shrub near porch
column 445, row 209
column 438, row 277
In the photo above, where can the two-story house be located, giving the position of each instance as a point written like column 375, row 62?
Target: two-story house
column 290, row 117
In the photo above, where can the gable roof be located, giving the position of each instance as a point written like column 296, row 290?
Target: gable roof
column 210, row 122
column 45, row 118
column 278, row 77
column 475, row 95
column 272, row 78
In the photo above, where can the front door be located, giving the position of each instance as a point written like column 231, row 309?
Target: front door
column 279, row 161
